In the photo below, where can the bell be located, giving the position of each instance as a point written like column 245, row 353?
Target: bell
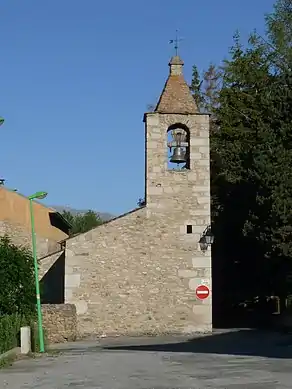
column 178, row 156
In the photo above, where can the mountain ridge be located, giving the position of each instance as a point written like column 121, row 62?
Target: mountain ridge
column 105, row 216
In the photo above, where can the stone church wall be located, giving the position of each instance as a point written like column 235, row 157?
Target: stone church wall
column 136, row 275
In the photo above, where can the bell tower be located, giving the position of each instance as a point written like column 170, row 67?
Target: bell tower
column 177, row 150
column 177, row 187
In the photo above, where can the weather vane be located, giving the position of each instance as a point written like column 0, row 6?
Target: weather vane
column 175, row 42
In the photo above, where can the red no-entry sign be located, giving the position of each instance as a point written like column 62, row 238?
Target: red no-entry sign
column 202, row 292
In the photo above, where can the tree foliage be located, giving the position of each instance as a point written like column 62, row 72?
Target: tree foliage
column 17, row 292
column 255, row 139
column 82, row 222
column 249, row 98
column 141, row 202
column 195, row 88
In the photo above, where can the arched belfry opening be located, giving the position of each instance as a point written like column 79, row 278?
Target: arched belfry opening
column 178, row 145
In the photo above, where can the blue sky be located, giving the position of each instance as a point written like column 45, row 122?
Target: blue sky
column 76, row 78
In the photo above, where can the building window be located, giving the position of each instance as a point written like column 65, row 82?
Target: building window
column 189, row 229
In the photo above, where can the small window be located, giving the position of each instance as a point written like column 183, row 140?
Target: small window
column 189, row 229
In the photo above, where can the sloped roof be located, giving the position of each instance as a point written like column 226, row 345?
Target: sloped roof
column 176, row 96
column 48, row 222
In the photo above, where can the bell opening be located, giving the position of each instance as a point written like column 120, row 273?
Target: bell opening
column 178, row 147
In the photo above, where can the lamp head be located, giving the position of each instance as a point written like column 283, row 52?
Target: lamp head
column 38, row 195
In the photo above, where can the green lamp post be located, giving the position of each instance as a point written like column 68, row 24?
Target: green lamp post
column 1, row 121
column 37, row 195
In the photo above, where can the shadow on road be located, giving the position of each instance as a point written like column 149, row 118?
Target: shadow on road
column 242, row 342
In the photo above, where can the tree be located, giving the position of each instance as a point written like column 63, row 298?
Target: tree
column 279, row 26
column 211, row 88
column 17, row 293
column 82, row 222
column 254, row 141
column 195, row 88
column 141, row 202
column 253, row 182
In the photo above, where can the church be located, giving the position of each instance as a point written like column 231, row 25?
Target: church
column 148, row 272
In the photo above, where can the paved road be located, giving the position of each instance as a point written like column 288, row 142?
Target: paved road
column 232, row 360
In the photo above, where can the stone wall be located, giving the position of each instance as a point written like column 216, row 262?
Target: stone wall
column 136, row 276
column 22, row 237
column 138, row 273
column 59, row 322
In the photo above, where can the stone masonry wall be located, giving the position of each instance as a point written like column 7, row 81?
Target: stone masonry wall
column 131, row 277
column 22, row 237
column 182, row 198
column 60, row 323
column 138, row 274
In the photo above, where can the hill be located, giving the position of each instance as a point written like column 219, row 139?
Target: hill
column 103, row 215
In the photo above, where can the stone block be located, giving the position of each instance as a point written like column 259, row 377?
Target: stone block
column 202, row 310
column 202, row 261
column 152, row 120
column 157, row 169
column 81, row 307
column 186, row 273
column 203, row 162
column 200, row 212
column 155, row 190
column 68, row 295
column 201, row 141
column 156, row 136
column 194, row 283
column 151, row 144
column 199, row 188
column 25, row 340
column 204, row 200
column 204, row 150
column 195, row 156
column 72, row 280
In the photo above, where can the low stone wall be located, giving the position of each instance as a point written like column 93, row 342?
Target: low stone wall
column 60, row 322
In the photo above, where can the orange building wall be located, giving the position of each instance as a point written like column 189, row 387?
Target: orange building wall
column 15, row 209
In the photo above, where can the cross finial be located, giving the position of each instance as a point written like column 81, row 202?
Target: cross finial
column 176, row 42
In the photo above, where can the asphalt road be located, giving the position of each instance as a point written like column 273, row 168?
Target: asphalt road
column 244, row 359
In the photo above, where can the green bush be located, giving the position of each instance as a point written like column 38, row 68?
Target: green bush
column 17, row 292
column 17, row 295
column 9, row 331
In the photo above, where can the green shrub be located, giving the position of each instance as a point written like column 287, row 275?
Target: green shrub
column 17, row 292
column 9, row 331
column 17, row 295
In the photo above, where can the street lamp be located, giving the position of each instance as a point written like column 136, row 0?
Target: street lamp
column 1, row 121
column 207, row 239
column 39, row 196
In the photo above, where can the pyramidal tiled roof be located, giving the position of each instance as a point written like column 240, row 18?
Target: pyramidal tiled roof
column 176, row 96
